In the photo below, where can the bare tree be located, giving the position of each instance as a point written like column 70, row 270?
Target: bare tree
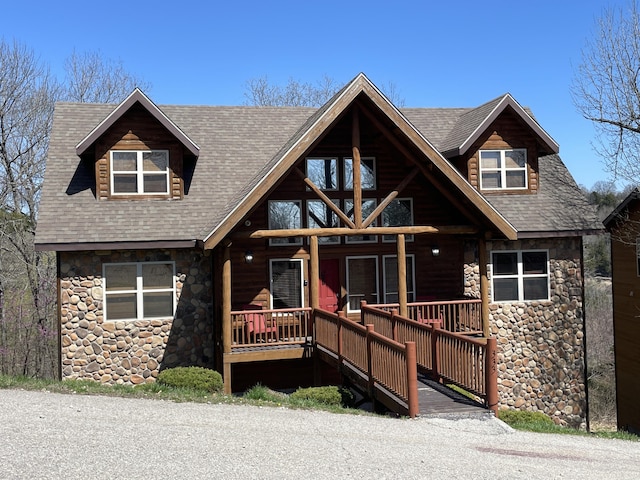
column 261, row 92
column 27, row 96
column 606, row 89
column 28, row 92
column 92, row 78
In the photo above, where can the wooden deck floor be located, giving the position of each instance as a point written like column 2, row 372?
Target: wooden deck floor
column 436, row 399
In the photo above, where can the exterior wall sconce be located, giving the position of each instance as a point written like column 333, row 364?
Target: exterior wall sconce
column 248, row 256
column 435, row 250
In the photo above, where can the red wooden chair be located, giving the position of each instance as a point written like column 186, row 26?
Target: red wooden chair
column 256, row 326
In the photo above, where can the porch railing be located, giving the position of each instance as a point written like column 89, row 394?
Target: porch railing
column 383, row 361
column 456, row 315
column 456, row 357
column 253, row 328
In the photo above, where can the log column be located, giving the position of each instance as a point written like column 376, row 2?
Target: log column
column 355, row 161
column 402, row 274
column 484, row 286
column 226, row 315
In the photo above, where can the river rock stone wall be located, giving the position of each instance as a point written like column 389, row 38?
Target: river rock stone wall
column 133, row 352
column 541, row 344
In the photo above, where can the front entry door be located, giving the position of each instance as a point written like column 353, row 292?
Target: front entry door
column 329, row 284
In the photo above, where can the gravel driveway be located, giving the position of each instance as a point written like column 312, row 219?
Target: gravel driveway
column 51, row 436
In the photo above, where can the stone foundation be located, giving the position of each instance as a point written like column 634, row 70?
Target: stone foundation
column 133, row 352
column 541, row 344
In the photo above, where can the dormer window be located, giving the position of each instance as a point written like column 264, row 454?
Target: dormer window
column 503, row 169
column 140, row 172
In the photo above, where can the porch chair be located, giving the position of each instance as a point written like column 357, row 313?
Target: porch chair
column 256, row 327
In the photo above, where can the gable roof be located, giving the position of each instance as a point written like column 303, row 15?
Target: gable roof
column 632, row 197
column 475, row 122
column 242, row 151
column 139, row 97
column 315, row 126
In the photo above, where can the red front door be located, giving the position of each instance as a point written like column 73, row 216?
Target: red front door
column 329, row 285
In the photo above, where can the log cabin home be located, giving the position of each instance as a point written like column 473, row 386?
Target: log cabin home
column 197, row 235
column 624, row 226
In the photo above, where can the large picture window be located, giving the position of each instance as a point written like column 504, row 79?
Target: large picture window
column 139, row 290
column 362, row 281
column 285, row 215
column 520, row 275
column 140, row 172
column 503, row 169
column 286, row 283
column 321, row 216
column 367, row 173
column 323, row 172
column 368, row 206
column 399, row 213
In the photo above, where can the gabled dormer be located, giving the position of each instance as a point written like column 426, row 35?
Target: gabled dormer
column 138, row 152
column 497, row 146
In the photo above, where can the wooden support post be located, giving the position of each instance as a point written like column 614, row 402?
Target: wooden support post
column 357, row 183
column 484, row 286
column 402, row 275
column 226, row 315
column 314, row 274
column 371, row 382
column 435, row 354
column 491, row 375
column 412, row 379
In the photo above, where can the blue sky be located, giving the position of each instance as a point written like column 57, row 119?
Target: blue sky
column 437, row 54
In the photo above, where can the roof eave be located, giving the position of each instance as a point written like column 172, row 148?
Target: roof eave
column 506, row 101
column 137, row 96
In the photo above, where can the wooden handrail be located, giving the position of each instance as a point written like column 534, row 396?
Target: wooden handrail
column 469, row 362
column 384, row 361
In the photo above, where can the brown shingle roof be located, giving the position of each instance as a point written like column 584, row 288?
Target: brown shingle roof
column 235, row 143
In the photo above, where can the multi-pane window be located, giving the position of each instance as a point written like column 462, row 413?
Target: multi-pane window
column 323, row 172
column 285, row 215
column 286, row 283
column 140, row 172
column 520, row 275
column 367, row 173
column 390, row 269
column 503, row 169
column 362, row 281
column 399, row 213
column 139, row 290
column 320, row 215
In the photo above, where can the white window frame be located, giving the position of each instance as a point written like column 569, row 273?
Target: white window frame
column 411, row 288
column 139, row 172
column 298, row 260
column 520, row 276
column 337, row 166
column 352, row 239
column 377, row 292
column 139, row 290
column 392, row 238
column 362, row 159
column 284, row 241
column 503, row 169
column 333, row 240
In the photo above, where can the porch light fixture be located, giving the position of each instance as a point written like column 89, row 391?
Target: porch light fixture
column 435, row 250
column 248, row 256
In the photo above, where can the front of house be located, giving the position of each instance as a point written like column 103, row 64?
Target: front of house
column 172, row 224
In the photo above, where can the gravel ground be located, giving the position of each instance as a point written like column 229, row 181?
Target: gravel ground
column 51, row 436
